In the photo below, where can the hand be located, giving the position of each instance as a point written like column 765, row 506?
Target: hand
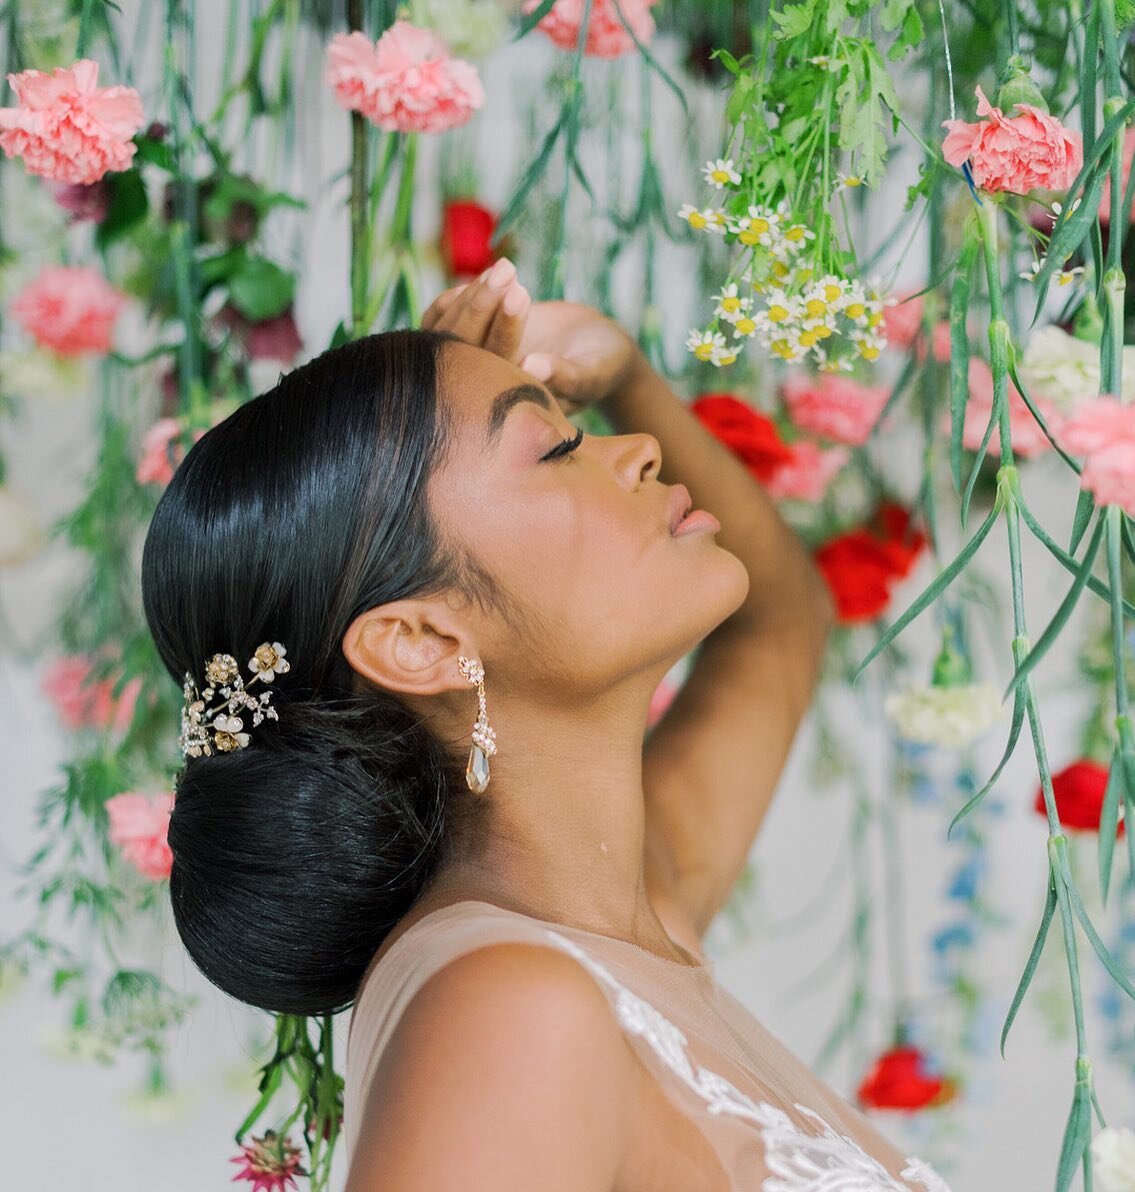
column 578, row 353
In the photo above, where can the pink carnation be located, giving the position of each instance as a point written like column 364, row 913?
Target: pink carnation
column 1028, row 438
column 161, row 452
column 607, row 36
column 1103, row 431
column 902, row 323
column 139, row 826
column 1029, row 151
column 806, row 476
column 81, row 703
column 834, row 407
column 70, row 309
column 407, row 82
column 68, row 129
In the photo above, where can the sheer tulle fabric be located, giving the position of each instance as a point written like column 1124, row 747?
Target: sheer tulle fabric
column 774, row 1125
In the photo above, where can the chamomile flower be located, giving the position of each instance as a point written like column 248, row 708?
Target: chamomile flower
column 823, row 61
column 1066, row 276
column 693, row 216
column 1031, row 275
column 833, row 289
column 758, row 226
column 703, row 344
column 848, row 181
column 720, row 173
column 744, row 326
column 716, row 220
column 796, row 237
column 725, row 356
column 729, row 305
column 868, row 344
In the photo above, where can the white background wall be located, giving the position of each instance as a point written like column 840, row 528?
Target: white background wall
column 75, row 1124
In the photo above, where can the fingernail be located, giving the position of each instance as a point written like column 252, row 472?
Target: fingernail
column 539, row 367
column 500, row 274
column 515, row 300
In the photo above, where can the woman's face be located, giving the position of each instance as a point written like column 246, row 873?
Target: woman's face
column 580, row 542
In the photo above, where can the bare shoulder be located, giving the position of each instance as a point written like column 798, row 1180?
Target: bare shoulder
column 507, row 1070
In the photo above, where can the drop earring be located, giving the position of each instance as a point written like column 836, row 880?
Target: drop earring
column 484, row 739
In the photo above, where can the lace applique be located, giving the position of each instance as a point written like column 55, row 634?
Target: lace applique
column 799, row 1162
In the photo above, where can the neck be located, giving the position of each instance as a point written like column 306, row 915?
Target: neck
column 564, row 818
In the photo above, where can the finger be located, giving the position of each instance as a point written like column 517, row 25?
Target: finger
column 441, row 304
column 507, row 328
column 471, row 315
column 561, row 376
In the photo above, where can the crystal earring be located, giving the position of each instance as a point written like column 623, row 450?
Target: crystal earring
column 484, row 739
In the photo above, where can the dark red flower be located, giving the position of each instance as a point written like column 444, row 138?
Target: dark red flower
column 861, row 565
column 745, row 431
column 270, row 1163
column 466, row 228
column 1079, row 791
column 277, row 338
column 899, row 1079
column 83, row 200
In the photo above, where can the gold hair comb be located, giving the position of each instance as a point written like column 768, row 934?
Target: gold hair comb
column 205, row 728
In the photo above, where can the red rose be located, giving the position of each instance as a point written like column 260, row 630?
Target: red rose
column 466, row 228
column 1078, row 790
column 898, row 1079
column 748, row 434
column 861, row 565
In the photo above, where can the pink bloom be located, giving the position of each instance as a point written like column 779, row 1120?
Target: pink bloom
column 70, row 309
column 68, row 129
column 1103, row 431
column 81, row 703
column 1028, row 438
column 607, row 36
column 1029, row 151
column 834, row 407
column 276, row 338
column 161, row 452
column 139, row 825
column 270, row 1163
column 407, row 82
column 807, row 475
column 1105, row 194
column 902, row 323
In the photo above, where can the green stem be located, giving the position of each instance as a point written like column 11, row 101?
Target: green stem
column 360, row 224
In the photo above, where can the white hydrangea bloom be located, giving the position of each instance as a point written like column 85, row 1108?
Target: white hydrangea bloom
column 1066, row 370
column 951, row 717
column 1113, row 1159
column 470, row 28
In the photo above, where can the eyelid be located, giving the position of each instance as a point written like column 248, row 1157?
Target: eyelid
column 564, row 447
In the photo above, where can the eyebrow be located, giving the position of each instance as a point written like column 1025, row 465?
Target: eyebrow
column 505, row 401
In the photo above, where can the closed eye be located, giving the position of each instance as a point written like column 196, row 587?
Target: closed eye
column 564, row 448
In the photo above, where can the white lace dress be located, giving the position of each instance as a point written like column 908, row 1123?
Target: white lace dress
column 758, row 1105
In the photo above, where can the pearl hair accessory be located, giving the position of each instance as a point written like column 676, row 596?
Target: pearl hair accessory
column 205, row 729
column 484, row 739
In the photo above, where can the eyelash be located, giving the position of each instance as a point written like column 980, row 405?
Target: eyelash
column 566, row 447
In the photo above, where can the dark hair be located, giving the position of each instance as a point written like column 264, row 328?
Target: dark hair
column 294, row 857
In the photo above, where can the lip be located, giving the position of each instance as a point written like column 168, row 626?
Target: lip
column 680, row 504
column 695, row 520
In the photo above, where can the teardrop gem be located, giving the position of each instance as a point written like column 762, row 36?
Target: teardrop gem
column 477, row 770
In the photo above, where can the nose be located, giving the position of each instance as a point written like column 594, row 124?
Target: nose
column 639, row 457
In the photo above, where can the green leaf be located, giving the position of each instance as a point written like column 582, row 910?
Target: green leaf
column 1060, row 617
column 260, row 289
column 1109, row 817
column 529, row 22
column 793, row 20
column 978, row 460
column 1077, row 1134
column 891, row 13
column 528, row 181
column 1109, row 962
column 941, row 582
column 653, row 62
column 127, row 207
column 1034, row 958
column 1018, row 720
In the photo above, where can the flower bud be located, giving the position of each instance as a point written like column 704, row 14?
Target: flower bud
column 1016, row 86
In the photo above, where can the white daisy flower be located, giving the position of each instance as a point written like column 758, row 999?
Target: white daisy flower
column 725, row 356
column 693, row 216
column 720, row 173
column 704, row 343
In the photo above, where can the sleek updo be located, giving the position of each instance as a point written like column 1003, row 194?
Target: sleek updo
column 294, row 857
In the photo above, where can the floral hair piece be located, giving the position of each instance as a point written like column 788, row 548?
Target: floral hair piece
column 208, row 728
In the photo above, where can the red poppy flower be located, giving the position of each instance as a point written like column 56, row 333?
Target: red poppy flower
column 861, row 565
column 466, row 228
column 745, row 431
column 899, row 1079
column 1079, row 791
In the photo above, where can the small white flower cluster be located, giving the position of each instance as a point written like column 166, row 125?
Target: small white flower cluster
column 791, row 312
column 1113, row 1156
column 949, row 716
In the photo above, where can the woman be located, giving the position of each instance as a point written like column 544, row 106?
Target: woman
column 510, row 888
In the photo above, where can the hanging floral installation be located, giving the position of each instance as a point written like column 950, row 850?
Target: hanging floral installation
column 989, row 143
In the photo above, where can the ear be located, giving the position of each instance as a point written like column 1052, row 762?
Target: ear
column 408, row 645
